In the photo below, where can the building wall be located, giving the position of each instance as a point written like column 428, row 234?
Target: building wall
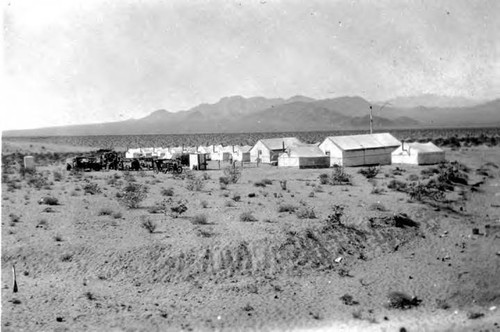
column 379, row 156
column 330, row 149
column 265, row 155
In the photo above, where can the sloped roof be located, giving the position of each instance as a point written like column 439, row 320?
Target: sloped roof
column 277, row 143
column 310, row 150
column 245, row 148
column 422, row 147
column 369, row 141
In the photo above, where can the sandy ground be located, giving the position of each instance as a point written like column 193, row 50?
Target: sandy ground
column 80, row 270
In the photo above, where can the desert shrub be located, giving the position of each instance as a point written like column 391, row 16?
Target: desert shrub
column 199, row 219
column 324, row 178
column 453, row 172
column 167, row 192
column 37, row 180
column 311, row 194
column 259, row 184
column 247, row 217
column 42, row 223
column 413, row 177
column 195, row 184
column 377, row 207
column 117, row 215
column 399, row 300
column 232, row 173
column 229, row 204
column 305, row 212
column 236, row 197
column 340, row 177
column 267, row 181
column 49, row 201
column 224, row 180
column 178, row 208
column 105, row 212
column 205, row 176
column 397, row 185
column 58, row 238
column 14, row 217
column 398, row 171
column 283, row 184
column 369, row 172
column 204, row 204
column 348, row 300
column 57, row 176
column 287, row 208
column 377, row 191
column 132, row 195
column 336, row 216
column 421, row 192
column 66, row 258
column 91, row 188
column 148, row 224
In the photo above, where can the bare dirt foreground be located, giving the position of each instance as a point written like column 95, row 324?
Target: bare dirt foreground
column 252, row 256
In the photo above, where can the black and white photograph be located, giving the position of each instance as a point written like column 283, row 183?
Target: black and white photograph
column 250, row 165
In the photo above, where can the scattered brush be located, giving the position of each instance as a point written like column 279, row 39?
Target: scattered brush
column 260, row 184
column 236, row 198
column 336, row 217
column 370, row 172
column 195, row 184
column 132, row 195
column 14, row 218
column 105, row 212
column 348, row 300
column 204, row 204
column 378, row 207
column 402, row 301
column 148, row 224
column 397, row 185
column 232, row 173
column 205, row 176
column 204, row 233
column 247, row 217
column 91, row 188
column 199, row 219
column 340, row 177
column 413, row 177
column 167, row 192
column 305, row 212
column 49, row 201
column 117, row 215
column 66, row 258
column 287, row 208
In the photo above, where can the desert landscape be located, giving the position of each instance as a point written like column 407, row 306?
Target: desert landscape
column 388, row 248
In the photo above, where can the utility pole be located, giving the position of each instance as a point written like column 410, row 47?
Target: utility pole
column 371, row 119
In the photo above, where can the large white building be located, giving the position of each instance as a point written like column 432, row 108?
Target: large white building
column 360, row 150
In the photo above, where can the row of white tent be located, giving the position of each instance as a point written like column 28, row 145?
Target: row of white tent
column 214, row 152
column 351, row 150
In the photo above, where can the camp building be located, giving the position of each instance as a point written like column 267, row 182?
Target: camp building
column 360, row 150
column 268, row 150
column 418, row 154
column 304, row 156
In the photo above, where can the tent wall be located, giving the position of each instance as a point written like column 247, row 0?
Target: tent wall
column 365, row 157
column 330, row 149
column 285, row 160
column 261, row 151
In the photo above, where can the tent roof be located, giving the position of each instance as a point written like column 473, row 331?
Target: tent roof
column 422, row 147
column 245, row 148
column 369, row 141
column 277, row 143
column 310, row 150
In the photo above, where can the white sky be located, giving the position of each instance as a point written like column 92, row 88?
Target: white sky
column 86, row 61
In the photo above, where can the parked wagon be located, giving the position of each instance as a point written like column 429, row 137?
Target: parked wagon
column 168, row 166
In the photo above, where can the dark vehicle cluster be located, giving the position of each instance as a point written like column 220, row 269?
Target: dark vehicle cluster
column 112, row 160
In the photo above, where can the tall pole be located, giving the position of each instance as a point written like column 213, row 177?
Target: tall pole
column 371, row 119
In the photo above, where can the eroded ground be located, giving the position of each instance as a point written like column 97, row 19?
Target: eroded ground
column 88, row 263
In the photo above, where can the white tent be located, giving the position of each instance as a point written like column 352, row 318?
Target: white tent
column 418, row 154
column 242, row 153
column 305, row 156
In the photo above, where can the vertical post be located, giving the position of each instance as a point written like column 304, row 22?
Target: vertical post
column 371, row 120
column 14, row 288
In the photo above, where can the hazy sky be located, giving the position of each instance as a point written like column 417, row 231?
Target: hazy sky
column 85, row 61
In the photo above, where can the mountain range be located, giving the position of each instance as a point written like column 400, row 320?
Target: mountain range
column 299, row 113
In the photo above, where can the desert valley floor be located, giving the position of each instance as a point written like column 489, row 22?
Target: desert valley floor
column 251, row 255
